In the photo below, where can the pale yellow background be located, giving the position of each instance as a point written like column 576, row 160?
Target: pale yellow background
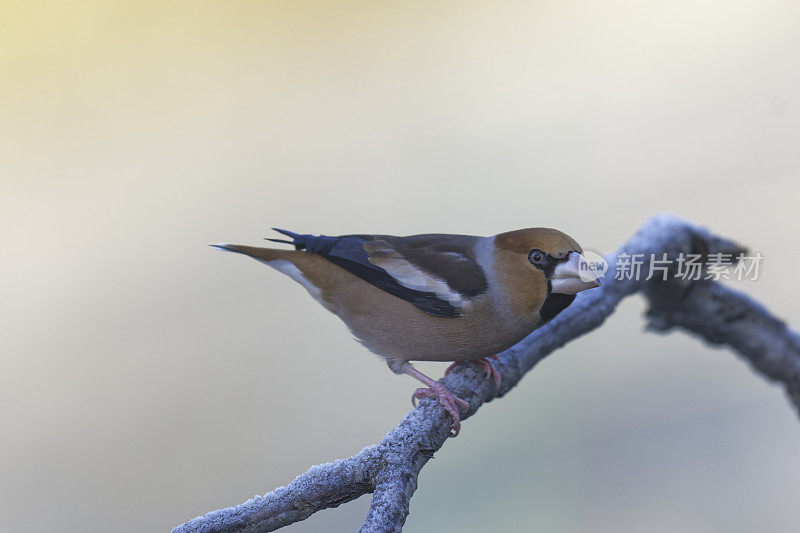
column 146, row 378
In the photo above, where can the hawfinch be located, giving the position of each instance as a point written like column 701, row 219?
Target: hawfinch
column 434, row 297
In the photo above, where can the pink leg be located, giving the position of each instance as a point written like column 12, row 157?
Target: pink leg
column 449, row 401
column 487, row 366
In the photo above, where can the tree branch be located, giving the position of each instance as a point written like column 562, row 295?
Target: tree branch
column 389, row 470
column 721, row 315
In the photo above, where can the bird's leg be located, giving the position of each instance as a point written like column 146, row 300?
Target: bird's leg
column 449, row 401
column 487, row 366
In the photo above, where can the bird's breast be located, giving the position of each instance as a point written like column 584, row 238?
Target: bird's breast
column 394, row 328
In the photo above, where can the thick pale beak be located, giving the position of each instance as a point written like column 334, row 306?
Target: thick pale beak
column 568, row 278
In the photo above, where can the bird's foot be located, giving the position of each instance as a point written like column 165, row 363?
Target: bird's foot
column 487, row 366
column 449, row 401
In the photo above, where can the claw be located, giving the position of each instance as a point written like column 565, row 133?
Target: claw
column 487, row 366
column 449, row 401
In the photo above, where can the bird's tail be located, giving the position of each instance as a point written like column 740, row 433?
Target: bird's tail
column 261, row 254
column 309, row 243
column 307, row 269
column 298, row 240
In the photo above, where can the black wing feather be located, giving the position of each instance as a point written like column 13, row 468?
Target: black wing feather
column 348, row 253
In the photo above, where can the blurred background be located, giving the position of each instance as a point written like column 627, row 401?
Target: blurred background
column 146, row 378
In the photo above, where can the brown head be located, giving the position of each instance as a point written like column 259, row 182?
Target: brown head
column 538, row 269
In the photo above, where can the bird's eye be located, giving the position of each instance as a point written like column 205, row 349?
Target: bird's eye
column 537, row 257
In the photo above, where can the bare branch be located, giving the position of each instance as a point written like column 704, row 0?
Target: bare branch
column 389, row 470
column 721, row 315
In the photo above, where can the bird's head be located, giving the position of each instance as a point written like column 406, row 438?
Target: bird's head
column 539, row 269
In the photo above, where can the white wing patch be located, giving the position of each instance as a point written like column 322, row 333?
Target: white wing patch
column 410, row 276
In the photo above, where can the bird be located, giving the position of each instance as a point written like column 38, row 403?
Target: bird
column 434, row 297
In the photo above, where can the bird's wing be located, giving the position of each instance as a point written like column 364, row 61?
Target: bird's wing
column 438, row 274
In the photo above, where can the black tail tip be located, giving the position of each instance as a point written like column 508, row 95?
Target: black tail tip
column 298, row 240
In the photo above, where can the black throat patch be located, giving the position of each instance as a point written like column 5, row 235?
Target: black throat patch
column 553, row 304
